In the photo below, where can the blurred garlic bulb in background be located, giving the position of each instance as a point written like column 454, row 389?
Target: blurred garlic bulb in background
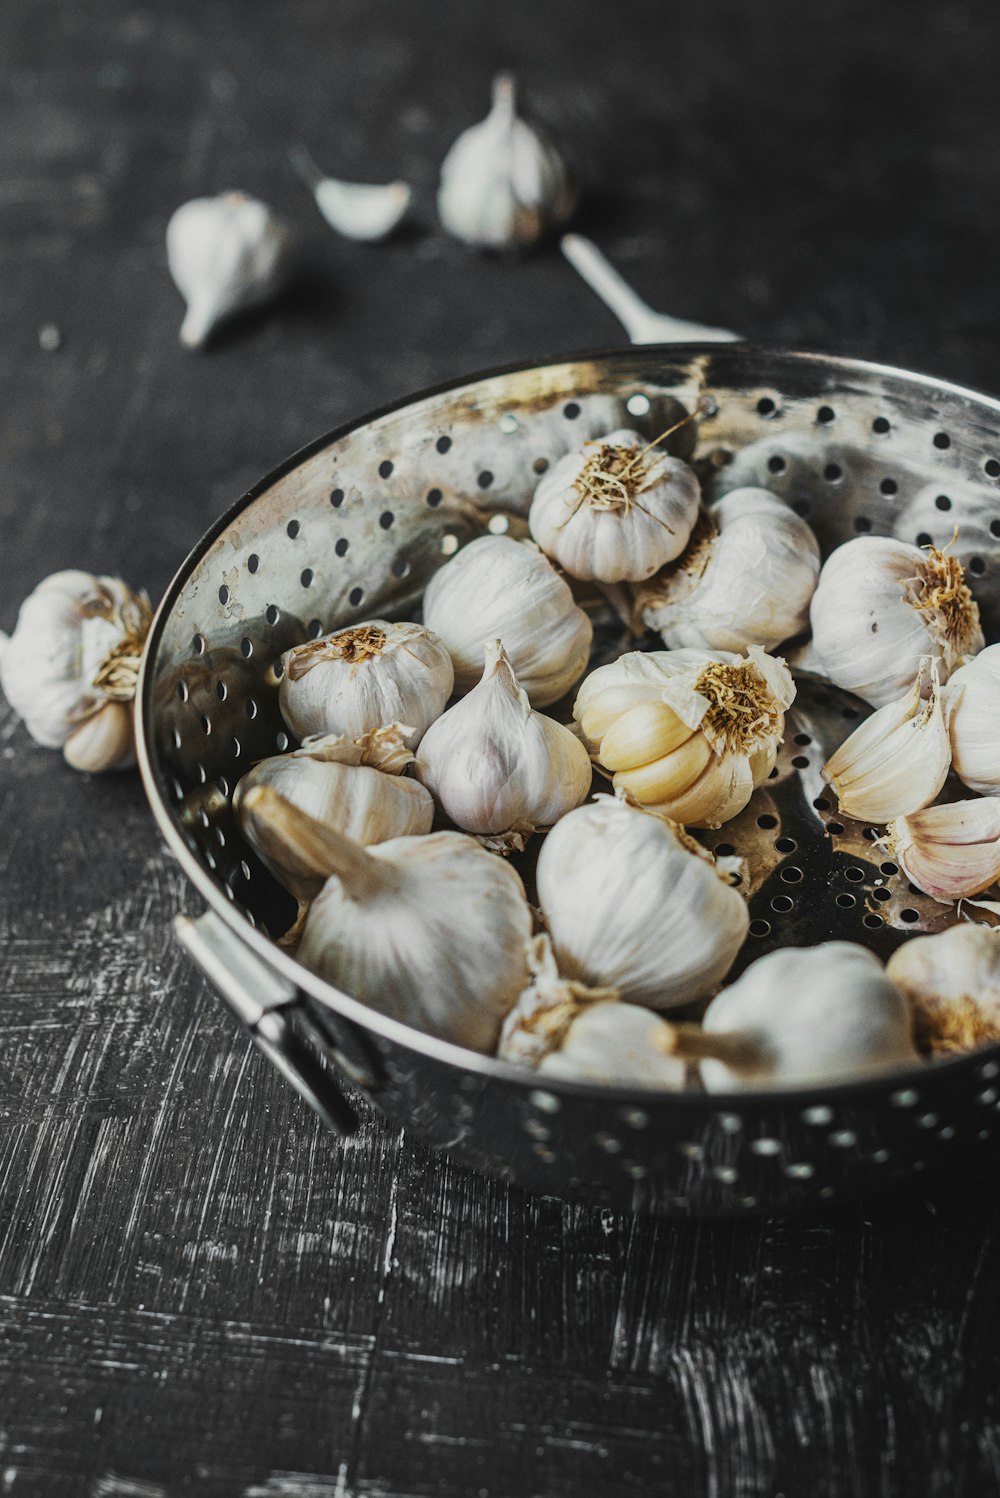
column 500, row 589
column 687, row 732
column 952, row 981
column 70, row 667
column 498, row 768
column 431, row 931
column 357, row 210
column 362, row 678
column 503, row 184
column 973, row 697
column 225, row 254
column 616, row 511
column 880, row 606
column 897, row 760
column 951, row 852
column 632, row 903
column 745, row 578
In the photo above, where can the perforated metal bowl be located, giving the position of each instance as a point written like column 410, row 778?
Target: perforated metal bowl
column 352, row 527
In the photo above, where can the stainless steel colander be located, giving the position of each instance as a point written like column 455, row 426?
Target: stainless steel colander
column 351, row 528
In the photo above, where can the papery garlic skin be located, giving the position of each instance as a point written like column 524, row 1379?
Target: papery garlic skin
column 359, row 679
column 952, row 981
column 226, row 254
column 880, row 606
column 631, row 903
column 951, row 852
column 74, row 655
column 503, row 184
column 808, row 1016
column 745, row 578
column 497, row 588
column 494, row 765
column 973, row 696
column 690, row 733
column 897, row 760
column 617, row 511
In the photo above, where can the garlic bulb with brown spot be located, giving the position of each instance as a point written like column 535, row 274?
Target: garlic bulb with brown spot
column 226, row 254
column 973, row 696
column 952, row 981
column 951, row 852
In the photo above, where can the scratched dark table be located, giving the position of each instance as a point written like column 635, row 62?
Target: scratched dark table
column 200, row 1290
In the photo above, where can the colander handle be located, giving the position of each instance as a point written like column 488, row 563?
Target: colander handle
column 262, row 999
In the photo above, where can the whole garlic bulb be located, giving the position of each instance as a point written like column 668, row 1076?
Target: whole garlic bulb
column 973, row 696
column 225, row 254
column 498, row 768
column 617, row 511
column 499, row 588
column 803, row 1016
column 633, row 904
column 337, row 781
column 429, row 930
column 565, row 1029
column 70, row 667
column 502, row 183
column 685, row 731
column 362, row 678
column 951, row 852
column 952, row 981
column 880, row 606
column 745, row 578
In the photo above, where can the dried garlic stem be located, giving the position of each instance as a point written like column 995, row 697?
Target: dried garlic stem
column 743, row 711
column 940, row 591
column 282, row 827
column 692, row 1043
column 352, row 645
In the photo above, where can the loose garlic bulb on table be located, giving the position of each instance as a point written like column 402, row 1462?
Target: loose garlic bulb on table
column 880, row 606
column 685, row 731
column 70, row 667
column 897, row 761
column 431, row 931
column 632, row 903
column 359, row 679
column 617, row 511
column 973, row 696
column 496, row 767
column 746, row 577
column 500, row 589
column 226, row 254
column 951, row 852
column 952, row 981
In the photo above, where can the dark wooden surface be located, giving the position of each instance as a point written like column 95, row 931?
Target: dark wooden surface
column 200, row 1291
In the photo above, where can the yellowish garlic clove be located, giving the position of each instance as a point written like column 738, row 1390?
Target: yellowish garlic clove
column 357, row 210
column 952, row 982
column 226, row 254
column 973, row 695
column 104, row 741
column 951, row 852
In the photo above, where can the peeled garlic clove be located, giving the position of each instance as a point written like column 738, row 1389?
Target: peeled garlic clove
column 952, row 981
column 502, row 183
column 358, row 210
column 497, row 588
column 496, row 766
column 225, row 254
column 973, row 695
column 430, row 931
column 802, row 1017
column 104, row 741
column 950, row 852
column 897, row 761
column 880, row 606
column 359, row 679
column 632, row 903
column 746, row 577
column 616, row 511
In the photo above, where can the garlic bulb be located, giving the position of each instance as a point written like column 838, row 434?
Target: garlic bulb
column 616, row 511
column 357, row 679
column 880, row 606
column 897, row 760
column 498, row 588
column 225, row 254
column 973, row 696
column 502, row 183
column 632, row 903
column 357, row 210
column 801, row 1017
column 498, row 768
column 334, row 780
column 70, row 667
column 745, row 578
column 428, row 930
column 950, row 852
column 952, row 981
column 685, row 731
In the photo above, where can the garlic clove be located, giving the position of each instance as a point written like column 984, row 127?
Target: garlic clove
column 952, row 982
column 951, row 852
column 640, row 734
column 226, row 254
column 104, row 741
column 357, row 210
column 657, row 782
column 973, row 696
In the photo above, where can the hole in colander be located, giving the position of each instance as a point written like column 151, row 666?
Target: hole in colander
column 836, row 828
column 888, row 487
column 540, row 465
column 448, row 544
column 292, row 529
column 443, row 444
column 306, row 577
column 342, row 546
column 923, row 539
column 909, row 916
column 785, row 845
column 759, row 928
column 253, row 562
column 833, row 472
column 977, row 566
column 873, row 921
column 799, row 762
column 802, row 738
column 854, row 875
column 485, row 479
column 724, row 850
column 201, row 772
column 246, row 647
column 801, row 508
column 223, row 785
column 198, row 644
column 850, row 712
column 942, row 440
column 782, row 904
column 223, row 594
column 821, row 803
column 766, row 406
column 220, row 837
column 176, row 736
column 400, row 567
column 881, row 425
column 336, row 498
column 222, row 691
column 846, row 901
column 386, row 519
column 272, row 613
column 862, row 523
column 498, row 525
column 825, row 415
column 236, row 747
column 992, row 468
column 206, row 723
column 385, row 469
column 434, row 498
column 888, row 868
column 767, row 820
column 245, row 870
column 571, row 410
column 776, row 464
column 355, row 596
column 281, row 740
column 182, row 691
column 995, row 527
column 791, row 875
column 881, row 895
column 943, row 502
